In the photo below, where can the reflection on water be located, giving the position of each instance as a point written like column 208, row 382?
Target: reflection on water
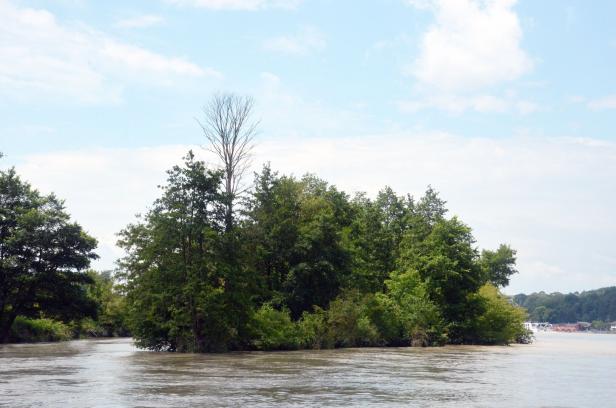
column 558, row 370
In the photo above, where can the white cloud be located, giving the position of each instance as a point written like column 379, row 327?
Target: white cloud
column 608, row 102
column 285, row 113
column 472, row 47
column 144, row 21
column 597, row 104
column 305, row 41
column 472, row 44
column 552, row 199
column 483, row 103
column 392, row 45
column 249, row 5
column 421, row 4
column 140, row 59
column 43, row 58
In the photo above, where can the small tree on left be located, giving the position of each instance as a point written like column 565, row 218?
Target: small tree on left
column 42, row 256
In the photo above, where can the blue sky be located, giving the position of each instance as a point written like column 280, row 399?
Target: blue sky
column 508, row 108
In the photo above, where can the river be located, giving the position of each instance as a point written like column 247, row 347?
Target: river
column 558, row 370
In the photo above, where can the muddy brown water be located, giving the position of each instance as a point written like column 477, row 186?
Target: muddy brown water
column 558, row 370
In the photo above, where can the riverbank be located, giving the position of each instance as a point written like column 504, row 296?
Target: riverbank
column 26, row 330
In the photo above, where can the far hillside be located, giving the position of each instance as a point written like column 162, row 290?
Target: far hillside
column 593, row 305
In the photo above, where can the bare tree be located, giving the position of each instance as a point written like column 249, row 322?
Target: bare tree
column 230, row 130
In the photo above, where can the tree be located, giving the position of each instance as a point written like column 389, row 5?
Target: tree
column 498, row 265
column 304, row 266
column 111, row 303
column 272, row 229
column 598, row 304
column 448, row 264
column 420, row 317
column 375, row 235
column 295, row 227
column 230, row 130
column 42, row 256
column 182, row 292
column 431, row 207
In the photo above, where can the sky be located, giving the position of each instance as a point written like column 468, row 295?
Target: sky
column 507, row 108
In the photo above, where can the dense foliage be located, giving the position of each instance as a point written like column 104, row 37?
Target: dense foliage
column 589, row 306
column 187, row 281
column 111, row 320
column 303, row 265
column 33, row 330
column 45, row 292
column 42, row 256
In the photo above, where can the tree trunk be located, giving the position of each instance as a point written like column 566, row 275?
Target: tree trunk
column 5, row 327
column 229, row 215
column 229, row 199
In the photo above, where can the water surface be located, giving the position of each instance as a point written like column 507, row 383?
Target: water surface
column 558, row 370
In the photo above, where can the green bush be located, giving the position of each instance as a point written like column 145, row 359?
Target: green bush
column 85, row 328
column 384, row 313
column 111, row 318
column 26, row 330
column 502, row 322
column 273, row 329
column 312, row 330
column 421, row 319
column 349, row 324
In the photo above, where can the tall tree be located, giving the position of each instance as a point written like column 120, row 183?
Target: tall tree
column 42, row 256
column 320, row 263
column 272, row 228
column 230, row 129
column 447, row 262
column 376, row 232
column 499, row 265
column 296, row 233
column 431, row 208
column 182, row 292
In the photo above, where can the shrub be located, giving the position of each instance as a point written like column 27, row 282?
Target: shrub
column 85, row 328
column 421, row 319
column 385, row 315
column 349, row 324
column 422, row 322
column 34, row 330
column 502, row 322
column 273, row 329
column 312, row 330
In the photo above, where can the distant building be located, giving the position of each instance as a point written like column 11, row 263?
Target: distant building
column 566, row 327
column 572, row 327
column 613, row 326
column 584, row 326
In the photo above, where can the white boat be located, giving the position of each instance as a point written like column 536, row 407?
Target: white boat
column 537, row 326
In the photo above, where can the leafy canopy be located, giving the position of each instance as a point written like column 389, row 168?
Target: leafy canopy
column 42, row 256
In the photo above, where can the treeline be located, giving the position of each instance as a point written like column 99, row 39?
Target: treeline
column 290, row 263
column 297, row 264
column 590, row 306
column 301, row 264
column 47, row 292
